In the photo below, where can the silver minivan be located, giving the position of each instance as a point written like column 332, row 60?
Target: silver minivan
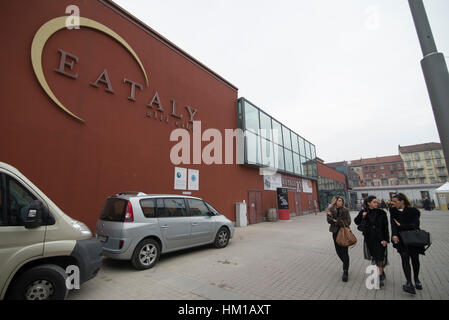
column 139, row 227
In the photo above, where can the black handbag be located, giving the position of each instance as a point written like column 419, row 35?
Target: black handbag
column 362, row 226
column 416, row 238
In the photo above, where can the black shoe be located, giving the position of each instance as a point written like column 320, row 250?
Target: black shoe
column 345, row 277
column 382, row 277
column 408, row 287
column 418, row 285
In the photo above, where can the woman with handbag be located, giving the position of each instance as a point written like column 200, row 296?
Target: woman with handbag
column 338, row 216
column 405, row 217
column 373, row 222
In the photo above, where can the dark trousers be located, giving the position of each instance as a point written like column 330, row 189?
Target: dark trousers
column 406, row 256
column 342, row 252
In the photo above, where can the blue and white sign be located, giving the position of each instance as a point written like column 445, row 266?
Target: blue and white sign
column 194, row 179
column 180, row 178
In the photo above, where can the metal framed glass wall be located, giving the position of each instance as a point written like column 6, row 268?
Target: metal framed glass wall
column 327, row 189
column 268, row 143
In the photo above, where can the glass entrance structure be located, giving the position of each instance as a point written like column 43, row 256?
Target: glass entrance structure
column 270, row 144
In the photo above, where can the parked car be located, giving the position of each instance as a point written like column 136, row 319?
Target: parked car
column 38, row 242
column 139, row 227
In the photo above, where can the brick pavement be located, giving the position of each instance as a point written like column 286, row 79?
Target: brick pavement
column 292, row 259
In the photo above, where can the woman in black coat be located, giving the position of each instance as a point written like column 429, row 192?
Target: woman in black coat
column 374, row 223
column 405, row 217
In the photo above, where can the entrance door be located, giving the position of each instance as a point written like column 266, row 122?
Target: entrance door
column 311, row 203
column 255, row 207
column 298, row 203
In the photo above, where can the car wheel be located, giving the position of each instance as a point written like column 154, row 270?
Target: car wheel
column 146, row 254
column 45, row 282
column 222, row 238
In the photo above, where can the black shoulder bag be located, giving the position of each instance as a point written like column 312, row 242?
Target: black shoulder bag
column 416, row 238
column 362, row 226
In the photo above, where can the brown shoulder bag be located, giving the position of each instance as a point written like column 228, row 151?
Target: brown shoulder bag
column 345, row 237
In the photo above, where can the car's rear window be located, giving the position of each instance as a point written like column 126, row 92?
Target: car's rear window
column 114, row 210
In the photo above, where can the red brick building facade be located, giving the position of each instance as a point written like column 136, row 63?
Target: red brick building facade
column 87, row 113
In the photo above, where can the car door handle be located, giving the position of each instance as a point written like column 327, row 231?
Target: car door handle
column 195, row 224
column 164, row 227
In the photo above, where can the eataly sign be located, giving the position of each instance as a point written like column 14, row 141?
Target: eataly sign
column 66, row 68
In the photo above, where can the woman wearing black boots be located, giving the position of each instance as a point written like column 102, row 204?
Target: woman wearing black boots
column 374, row 224
column 405, row 217
column 338, row 216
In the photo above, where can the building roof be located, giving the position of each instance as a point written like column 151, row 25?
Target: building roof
column 336, row 164
column 373, row 161
column 420, row 147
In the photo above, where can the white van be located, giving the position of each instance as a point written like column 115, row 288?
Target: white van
column 38, row 242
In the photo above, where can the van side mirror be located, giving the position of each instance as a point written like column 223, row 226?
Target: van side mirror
column 34, row 215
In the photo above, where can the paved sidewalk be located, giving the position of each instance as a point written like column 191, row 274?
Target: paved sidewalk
column 292, row 259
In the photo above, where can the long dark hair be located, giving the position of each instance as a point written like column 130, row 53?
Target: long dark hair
column 367, row 200
column 402, row 197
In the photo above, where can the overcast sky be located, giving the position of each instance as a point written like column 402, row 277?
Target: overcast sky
column 344, row 74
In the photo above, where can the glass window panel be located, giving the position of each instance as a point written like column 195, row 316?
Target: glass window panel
column 303, row 165
column 287, row 139
column 307, row 145
column 198, row 208
column 253, row 152
column 288, row 161
column 212, row 209
column 251, row 118
column 148, row 207
column 175, row 208
column 280, row 158
column 267, row 153
column 313, row 151
column 302, row 150
column 18, row 202
column 297, row 163
column 295, row 142
column 265, row 125
column 277, row 132
column 240, row 114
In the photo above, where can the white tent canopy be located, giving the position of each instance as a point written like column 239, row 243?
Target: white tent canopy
column 443, row 189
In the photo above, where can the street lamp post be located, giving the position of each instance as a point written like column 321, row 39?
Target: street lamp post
column 435, row 73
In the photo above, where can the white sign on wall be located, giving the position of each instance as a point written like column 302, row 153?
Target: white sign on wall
column 194, row 179
column 307, row 186
column 272, row 182
column 180, row 178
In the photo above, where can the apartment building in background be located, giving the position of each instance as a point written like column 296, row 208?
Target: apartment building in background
column 424, row 163
column 380, row 171
column 373, row 172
